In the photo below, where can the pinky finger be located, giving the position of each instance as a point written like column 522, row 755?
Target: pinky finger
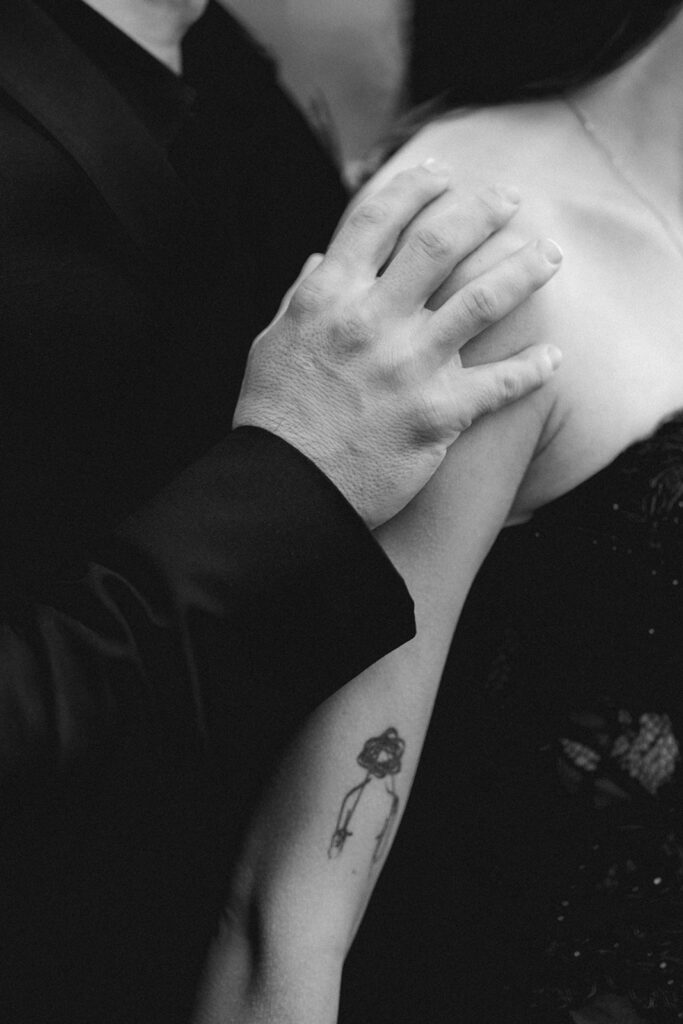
column 492, row 386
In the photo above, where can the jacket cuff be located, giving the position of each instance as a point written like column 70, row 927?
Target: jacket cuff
column 255, row 536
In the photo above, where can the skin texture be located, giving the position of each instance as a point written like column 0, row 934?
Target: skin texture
column 355, row 371
column 616, row 311
column 359, row 373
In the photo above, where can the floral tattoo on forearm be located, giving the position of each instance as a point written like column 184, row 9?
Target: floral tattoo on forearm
column 381, row 758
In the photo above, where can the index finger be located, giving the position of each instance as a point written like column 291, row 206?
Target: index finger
column 369, row 232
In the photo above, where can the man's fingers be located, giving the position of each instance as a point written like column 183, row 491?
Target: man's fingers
column 369, row 232
column 311, row 264
column 493, row 385
column 494, row 294
column 439, row 240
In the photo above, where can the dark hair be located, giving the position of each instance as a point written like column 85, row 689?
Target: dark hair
column 491, row 51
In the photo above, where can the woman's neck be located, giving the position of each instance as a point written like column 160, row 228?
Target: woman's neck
column 156, row 25
column 637, row 113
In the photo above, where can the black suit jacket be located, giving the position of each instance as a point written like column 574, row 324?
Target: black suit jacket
column 167, row 615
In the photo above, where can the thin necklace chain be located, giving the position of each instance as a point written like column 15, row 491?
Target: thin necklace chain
column 622, row 172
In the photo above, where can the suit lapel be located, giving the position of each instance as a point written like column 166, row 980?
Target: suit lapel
column 56, row 84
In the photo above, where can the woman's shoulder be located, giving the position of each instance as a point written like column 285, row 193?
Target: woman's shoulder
column 525, row 140
column 521, row 145
column 597, row 310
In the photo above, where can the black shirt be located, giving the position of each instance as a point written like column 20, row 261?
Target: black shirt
column 150, row 376
column 160, row 98
column 228, row 133
column 111, row 385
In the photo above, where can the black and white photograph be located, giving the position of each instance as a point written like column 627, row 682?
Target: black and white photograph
column 341, row 511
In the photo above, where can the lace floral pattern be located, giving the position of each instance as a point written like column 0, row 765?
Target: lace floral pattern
column 618, row 927
column 644, row 751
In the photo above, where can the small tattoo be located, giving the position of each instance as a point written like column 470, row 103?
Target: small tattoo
column 381, row 758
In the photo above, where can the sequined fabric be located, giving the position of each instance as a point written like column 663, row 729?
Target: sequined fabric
column 537, row 877
column 541, row 854
column 586, row 681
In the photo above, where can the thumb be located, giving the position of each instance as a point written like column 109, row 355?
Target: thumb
column 495, row 385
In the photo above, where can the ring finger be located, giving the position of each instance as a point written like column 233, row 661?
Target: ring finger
column 438, row 241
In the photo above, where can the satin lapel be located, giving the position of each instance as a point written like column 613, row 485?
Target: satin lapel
column 47, row 75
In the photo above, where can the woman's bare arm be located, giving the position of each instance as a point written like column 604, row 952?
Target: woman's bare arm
column 324, row 829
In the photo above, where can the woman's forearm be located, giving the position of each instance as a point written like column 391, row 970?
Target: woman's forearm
column 315, row 851
column 324, row 829
column 325, row 826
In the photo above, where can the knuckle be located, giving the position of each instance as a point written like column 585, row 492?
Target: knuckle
column 373, row 213
column 397, row 370
column 507, row 387
column 494, row 390
column 311, row 296
column 355, row 327
column 416, row 179
column 434, row 242
column 481, row 303
column 492, row 205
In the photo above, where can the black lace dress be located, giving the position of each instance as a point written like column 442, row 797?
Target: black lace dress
column 541, row 857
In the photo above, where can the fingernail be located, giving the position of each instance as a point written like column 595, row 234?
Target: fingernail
column 436, row 167
column 554, row 356
column 510, row 194
column 550, row 250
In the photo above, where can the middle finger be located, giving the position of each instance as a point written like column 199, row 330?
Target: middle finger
column 435, row 243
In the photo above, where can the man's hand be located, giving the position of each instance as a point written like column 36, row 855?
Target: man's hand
column 360, row 375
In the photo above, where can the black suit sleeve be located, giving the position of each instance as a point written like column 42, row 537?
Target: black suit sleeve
column 248, row 576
